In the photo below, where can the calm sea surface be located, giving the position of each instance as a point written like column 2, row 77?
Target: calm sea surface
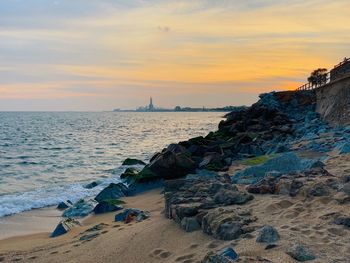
column 46, row 158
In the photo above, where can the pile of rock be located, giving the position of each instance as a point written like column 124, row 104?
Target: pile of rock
column 200, row 204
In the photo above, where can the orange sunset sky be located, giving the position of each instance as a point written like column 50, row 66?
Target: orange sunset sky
column 105, row 54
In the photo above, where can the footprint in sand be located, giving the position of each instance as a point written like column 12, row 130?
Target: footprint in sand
column 336, row 231
column 165, row 254
column 193, row 246
column 160, row 253
column 213, row 244
column 185, row 258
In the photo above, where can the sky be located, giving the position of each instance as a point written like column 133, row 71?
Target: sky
column 92, row 55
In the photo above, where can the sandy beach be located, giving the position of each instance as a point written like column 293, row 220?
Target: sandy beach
column 158, row 239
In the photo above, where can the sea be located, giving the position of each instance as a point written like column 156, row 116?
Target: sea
column 48, row 157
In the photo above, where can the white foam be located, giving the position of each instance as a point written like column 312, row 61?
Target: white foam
column 19, row 202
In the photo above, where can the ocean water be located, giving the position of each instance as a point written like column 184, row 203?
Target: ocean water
column 46, row 158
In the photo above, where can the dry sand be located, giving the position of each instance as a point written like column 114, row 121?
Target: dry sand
column 298, row 220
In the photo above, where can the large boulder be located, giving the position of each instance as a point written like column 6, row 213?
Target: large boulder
column 80, row 209
column 106, row 206
column 131, row 161
column 130, row 174
column 113, row 191
column 227, row 223
column 64, row 226
column 173, row 162
column 282, row 164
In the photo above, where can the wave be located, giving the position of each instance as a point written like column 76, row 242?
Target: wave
column 19, row 202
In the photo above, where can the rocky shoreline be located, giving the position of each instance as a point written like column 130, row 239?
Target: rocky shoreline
column 274, row 174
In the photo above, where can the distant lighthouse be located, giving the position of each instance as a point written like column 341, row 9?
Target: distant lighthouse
column 150, row 106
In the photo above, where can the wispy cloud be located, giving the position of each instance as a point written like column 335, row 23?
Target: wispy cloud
column 125, row 49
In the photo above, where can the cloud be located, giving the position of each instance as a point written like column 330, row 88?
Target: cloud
column 118, row 48
column 163, row 29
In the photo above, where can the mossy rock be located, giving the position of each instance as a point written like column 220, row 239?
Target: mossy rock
column 256, row 160
column 130, row 161
column 214, row 167
column 129, row 172
column 146, row 175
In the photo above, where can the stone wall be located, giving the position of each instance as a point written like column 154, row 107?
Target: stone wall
column 340, row 71
column 333, row 101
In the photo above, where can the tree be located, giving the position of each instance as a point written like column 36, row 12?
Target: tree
column 318, row 77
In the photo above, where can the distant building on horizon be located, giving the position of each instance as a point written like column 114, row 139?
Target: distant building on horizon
column 150, row 106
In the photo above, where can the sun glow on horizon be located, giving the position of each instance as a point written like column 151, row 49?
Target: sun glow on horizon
column 103, row 54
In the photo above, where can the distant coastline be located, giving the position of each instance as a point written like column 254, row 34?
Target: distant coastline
column 152, row 108
column 186, row 109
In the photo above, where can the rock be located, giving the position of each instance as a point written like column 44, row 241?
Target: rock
column 80, row 209
column 285, row 163
column 172, row 163
column 268, row 234
column 344, row 148
column 92, row 185
column 130, row 161
column 129, row 172
column 343, row 220
column 106, row 206
column 65, row 226
column 301, row 253
column 213, row 161
column 318, row 189
column 267, row 185
column 190, row 224
column 227, row 224
column 270, row 246
column 186, row 210
column 228, row 255
column 230, row 197
column 64, row 205
column 130, row 214
column 89, row 236
column 97, row 227
column 113, row 191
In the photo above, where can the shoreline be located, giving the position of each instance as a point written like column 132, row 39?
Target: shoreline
column 35, row 221
column 156, row 239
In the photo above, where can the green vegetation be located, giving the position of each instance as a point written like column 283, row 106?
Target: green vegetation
column 256, row 160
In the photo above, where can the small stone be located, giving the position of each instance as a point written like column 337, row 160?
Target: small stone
column 91, row 185
column 229, row 253
column 301, row 253
column 65, row 226
column 268, row 234
column 88, row 236
column 270, row 246
column 63, row 205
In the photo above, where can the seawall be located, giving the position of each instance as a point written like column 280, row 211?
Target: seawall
column 333, row 101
